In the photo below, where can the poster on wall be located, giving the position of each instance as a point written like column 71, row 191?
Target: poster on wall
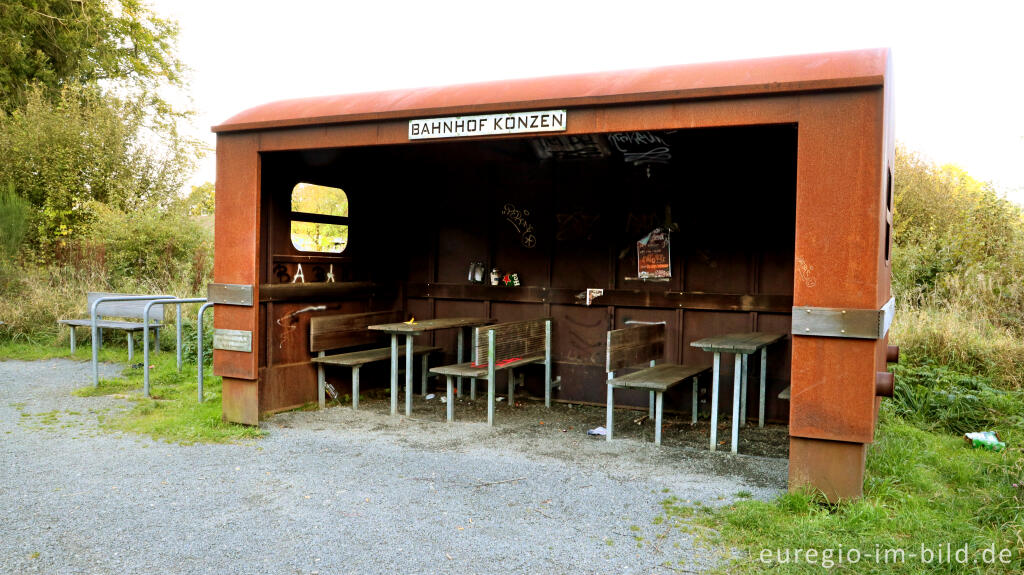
column 654, row 256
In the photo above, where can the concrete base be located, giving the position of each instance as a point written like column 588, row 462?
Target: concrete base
column 835, row 468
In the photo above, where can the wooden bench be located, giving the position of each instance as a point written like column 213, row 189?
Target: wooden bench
column 639, row 345
column 502, row 346
column 123, row 309
column 339, row 331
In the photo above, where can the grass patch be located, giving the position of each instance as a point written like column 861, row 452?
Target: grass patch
column 171, row 413
column 924, row 487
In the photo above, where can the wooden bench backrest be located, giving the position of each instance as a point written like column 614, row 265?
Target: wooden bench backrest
column 126, row 309
column 348, row 330
column 635, row 345
column 514, row 339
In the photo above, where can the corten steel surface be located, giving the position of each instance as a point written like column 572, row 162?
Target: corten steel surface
column 837, row 106
column 836, row 468
column 790, row 74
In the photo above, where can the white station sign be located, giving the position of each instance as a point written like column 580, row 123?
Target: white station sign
column 487, row 125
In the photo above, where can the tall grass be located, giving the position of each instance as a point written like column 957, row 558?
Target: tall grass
column 156, row 252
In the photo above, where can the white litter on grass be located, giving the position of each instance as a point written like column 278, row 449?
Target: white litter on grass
column 500, row 399
column 431, row 396
column 598, row 431
column 443, row 399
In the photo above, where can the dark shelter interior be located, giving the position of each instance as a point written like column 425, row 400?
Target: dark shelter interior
column 563, row 214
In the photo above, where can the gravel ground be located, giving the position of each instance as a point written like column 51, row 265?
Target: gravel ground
column 342, row 491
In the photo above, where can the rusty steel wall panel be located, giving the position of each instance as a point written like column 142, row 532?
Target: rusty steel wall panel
column 287, row 386
column 236, row 245
column 837, row 252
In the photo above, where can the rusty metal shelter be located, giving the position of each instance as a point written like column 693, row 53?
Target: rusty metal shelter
column 773, row 175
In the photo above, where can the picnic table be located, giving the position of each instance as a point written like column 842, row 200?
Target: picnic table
column 411, row 329
column 741, row 344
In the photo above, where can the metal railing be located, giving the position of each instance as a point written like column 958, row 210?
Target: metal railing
column 95, row 328
column 145, row 333
column 199, row 346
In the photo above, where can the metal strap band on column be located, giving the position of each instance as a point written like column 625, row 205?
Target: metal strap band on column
column 843, row 322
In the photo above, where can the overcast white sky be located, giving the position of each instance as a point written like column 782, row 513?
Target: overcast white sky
column 958, row 66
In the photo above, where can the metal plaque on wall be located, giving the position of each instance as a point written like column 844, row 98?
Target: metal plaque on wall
column 232, row 340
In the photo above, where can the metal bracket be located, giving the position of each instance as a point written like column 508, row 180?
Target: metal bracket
column 840, row 322
column 230, row 294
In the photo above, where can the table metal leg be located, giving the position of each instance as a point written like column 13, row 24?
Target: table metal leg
column 408, row 375
column 657, row 418
column 459, row 347
column 743, row 393
column 511, row 388
column 694, row 408
column 131, row 347
column 451, row 401
column 355, row 388
column 394, row 374
column 760, row 405
column 714, row 400
column 737, row 372
column 423, row 374
column 650, row 405
column 72, row 339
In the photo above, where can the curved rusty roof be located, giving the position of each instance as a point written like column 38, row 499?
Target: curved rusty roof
column 812, row 72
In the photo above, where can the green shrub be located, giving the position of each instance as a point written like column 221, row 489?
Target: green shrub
column 153, row 251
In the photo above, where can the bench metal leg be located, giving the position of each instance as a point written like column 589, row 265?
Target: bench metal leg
column 459, row 379
column 451, row 400
column 714, row 400
column 131, row 346
column 761, row 391
column 650, row 401
column 511, row 388
column 490, row 377
column 355, row 387
column 423, row 375
column 408, row 375
column 72, row 339
column 472, row 388
column 321, row 383
column 737, row 372
column 657, row 418
column 743, row 393
column 394, row 374
column 694, row 409
column 547, row 363
column 609, row 420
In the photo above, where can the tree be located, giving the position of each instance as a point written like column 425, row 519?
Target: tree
column 201, row 201
column 58, row 43
column 86, row 148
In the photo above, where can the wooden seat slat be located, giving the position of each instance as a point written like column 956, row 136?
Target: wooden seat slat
column 469, row 370
column 658, row 378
